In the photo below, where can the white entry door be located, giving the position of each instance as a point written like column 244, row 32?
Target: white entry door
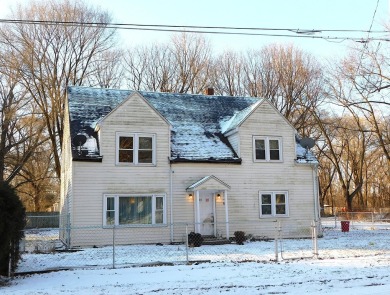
column 206, row 213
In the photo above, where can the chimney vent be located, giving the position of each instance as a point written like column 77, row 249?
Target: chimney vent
column 209, row 91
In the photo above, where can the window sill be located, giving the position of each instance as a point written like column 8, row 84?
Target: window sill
column 134, row 165
column 134, row 226
column 274, row 216
column 268, row 161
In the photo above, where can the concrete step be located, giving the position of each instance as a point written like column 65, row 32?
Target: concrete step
column 215, row 241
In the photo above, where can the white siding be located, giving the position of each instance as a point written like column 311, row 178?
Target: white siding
column 247, row 179
column 66, row 179
column 92, row 180
column 234, row 140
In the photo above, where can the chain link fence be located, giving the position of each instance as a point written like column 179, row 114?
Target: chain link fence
column 44, row 251
column 42, row 220
column 359, row 220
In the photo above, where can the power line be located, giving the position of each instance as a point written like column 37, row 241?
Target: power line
column 365, row 47
column 124, row 25
column 222, row 30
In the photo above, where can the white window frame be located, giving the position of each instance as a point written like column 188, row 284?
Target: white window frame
column 267, row 148
column 136, row 137
column 116, row 210
column 273, row 204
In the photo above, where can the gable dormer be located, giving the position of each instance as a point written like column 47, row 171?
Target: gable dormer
column 136, row 130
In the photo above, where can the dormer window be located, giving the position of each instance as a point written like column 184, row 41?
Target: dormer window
column 136, row 149
column 267, row 149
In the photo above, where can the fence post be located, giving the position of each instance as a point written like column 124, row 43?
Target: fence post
column 113, row 246
column 277, row 235
column 187, row 244
column 315, row 241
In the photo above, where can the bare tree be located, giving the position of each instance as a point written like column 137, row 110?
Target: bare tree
column 21, row 126
column 290, row 78
column 182, row 65
column 327, row 174
column 150, row 68
column 261, row 77
column 345, row 146
column 106, row 70
column 36, row 183
column 193, row 59
column 347, row 136
column 229, row 74
column 368, row 72
column 52, row 56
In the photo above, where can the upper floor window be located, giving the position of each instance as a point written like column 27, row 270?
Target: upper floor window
column 136, row 148
column 267, row 148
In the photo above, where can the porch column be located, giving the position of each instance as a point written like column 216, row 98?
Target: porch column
column 226, row 214
column 197, row 213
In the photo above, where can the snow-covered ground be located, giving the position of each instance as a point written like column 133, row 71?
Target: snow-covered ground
column 355, row 262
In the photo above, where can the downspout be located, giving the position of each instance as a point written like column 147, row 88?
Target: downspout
column 171, row 198
column 316, row 196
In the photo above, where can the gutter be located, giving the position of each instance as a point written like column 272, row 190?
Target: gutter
column 97, row 159
column 216, row 161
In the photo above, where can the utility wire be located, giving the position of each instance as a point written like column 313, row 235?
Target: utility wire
column 222, row 30
column 125, row 25
column 365, row 46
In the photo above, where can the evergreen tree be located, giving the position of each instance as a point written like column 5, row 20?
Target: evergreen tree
column 12, row 222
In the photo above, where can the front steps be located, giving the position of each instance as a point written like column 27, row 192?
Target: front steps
column 211, row 240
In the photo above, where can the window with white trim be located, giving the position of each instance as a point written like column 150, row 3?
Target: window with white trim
column 267, row 149
column 134, row 209
column 135, row 148
column 273, row 204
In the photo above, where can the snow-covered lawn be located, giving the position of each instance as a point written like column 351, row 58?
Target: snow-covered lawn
column 356, row 262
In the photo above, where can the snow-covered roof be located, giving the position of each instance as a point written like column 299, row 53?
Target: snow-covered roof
column 238, row 118
column 198, row 122
column 196, row 133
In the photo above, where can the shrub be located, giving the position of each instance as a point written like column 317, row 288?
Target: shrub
column 12, row 222
column 195, row 239
column 240, row 237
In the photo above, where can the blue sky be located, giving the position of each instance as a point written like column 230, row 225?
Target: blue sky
column 294, row 14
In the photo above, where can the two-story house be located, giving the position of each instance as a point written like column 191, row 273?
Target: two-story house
column 149, row 163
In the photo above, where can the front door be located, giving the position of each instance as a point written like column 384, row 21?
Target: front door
column 206, row 213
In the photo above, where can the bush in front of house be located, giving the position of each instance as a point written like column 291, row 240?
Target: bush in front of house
column 12, row 222
column 195, row 239
column 240, row 237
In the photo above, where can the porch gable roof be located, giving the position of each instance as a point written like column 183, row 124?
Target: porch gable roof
column 210, row 182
